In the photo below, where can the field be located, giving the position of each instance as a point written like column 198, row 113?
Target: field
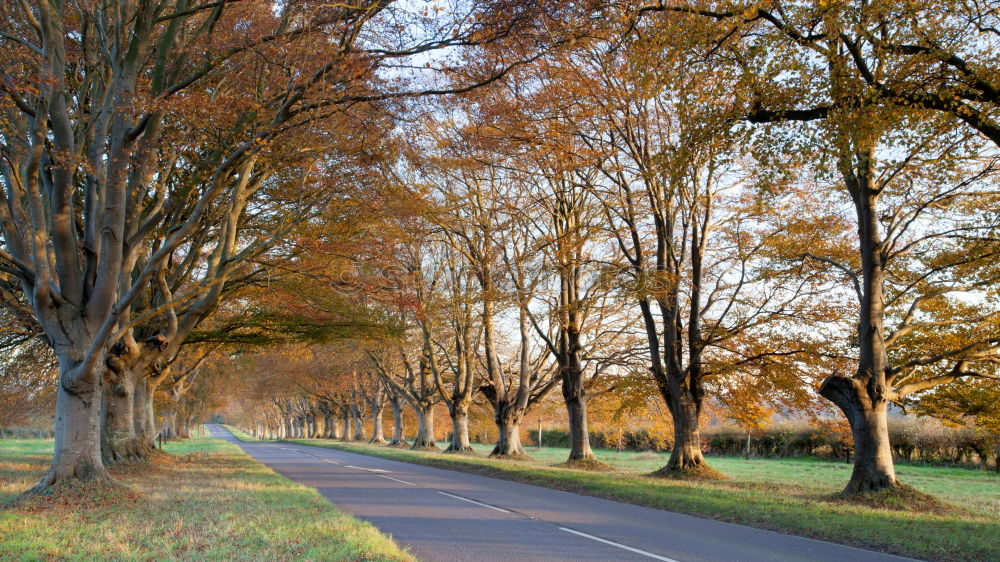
column 797, row 496
column 206, row 501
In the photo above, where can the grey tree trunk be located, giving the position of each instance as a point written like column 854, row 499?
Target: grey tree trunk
column 359, row 424
column 378, row 432
column 398, row 438
column 334, row 428
column 862, row 398
column 77, row 450
column 329, row 429
column 145, row 421
column 184, row 427
column 169, row 428
column 685, row 410
column 508, row 439
column 459, row 429
column 425, row 428
column 118, row 436
column 576, row 410
column 347, row 426
column 873, row 466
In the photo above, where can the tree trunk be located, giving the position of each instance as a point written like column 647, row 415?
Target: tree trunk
column 873, row 466
column 347, row 426
column 118, row 437
column 862, row 397
column 77, row 450
column 334, row 428
column 459, row 429
column 508, row 438
column 329, row 429
column 169, row 429
column 359, row 424
column 184, row 428
column 322, row 425
column 398, row 439
column 576, row 408
column 425, row 428
column 145, row 422
column 378, row 432
column 686, row 453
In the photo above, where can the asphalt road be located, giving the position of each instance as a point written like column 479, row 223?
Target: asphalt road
column 445, row 515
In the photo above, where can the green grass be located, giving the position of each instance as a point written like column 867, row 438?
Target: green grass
column 239, row 434
column 209, row 501
column 788, row 495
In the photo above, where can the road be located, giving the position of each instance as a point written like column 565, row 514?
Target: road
column 442, row 515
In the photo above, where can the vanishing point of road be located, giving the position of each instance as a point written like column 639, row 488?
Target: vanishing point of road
column 442, row 515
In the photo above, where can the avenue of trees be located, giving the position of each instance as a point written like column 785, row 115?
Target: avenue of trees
column 337, row 218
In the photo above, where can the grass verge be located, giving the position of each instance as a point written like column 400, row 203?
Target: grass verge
column 788, row 495
column 245, row 437
column 207, row 501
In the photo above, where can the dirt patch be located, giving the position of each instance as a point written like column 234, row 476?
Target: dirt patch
column 77, row 495
column 463, row 453
column 702, row 472
column 591, row 465
column 514, row 457
column 901, row 498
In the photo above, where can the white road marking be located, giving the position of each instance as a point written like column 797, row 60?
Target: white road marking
column 619, row 545
column 368, row 469
column 500, row 509
column 396, row 479
column 316, row 457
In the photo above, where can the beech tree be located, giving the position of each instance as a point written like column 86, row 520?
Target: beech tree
column 457, row 310
column 90, row 95
column 914, row 230
column 413, row 380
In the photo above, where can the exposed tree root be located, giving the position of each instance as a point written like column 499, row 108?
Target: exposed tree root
column 130, row 450
column 452, row 450
column 592, row 465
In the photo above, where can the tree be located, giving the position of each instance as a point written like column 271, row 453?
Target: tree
column 696, row 244
column 915, row 232
column 91, row 94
